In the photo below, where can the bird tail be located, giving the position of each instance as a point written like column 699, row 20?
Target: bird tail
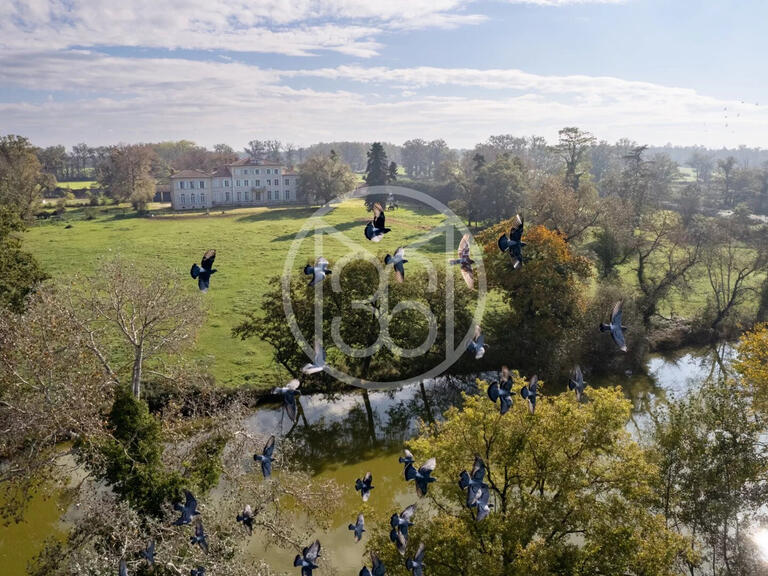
column 308, row 269
column 410, row 472
column 454, row 262
column 493, row 392
column 195, row 271
column 387, row 259
column 463, row 479
column 351, row 526
column 297, row 560
column 604, row 327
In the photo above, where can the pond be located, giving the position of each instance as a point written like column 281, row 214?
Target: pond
column 348, row 434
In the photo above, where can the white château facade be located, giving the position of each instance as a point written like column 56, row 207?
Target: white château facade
column 243, row 183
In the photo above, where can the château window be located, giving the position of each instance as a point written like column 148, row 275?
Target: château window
column 268, row 171
column 181, row 184
column 191, row 184
column 183, row 200
column 226, row 183
column 277, row 170
column 202, row 184
column 202, row 198
column 256, row 171
column 226, row 196
column 238, row 183
column 245, row 171
column 257, row 183
column 269, row 194
column 247, row 196
column 287, row 195
column 269, row 182
column 286, row 181
column 245, row 182
column 238, row 195
column 191, row 198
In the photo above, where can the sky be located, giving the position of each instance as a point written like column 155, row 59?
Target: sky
column 686, row 72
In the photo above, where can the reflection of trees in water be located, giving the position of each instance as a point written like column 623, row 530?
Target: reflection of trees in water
column 363, row 430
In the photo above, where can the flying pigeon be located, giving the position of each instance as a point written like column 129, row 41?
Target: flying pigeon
column 318, row 363
column 407, row 459
column 200, row 537
column 149, row 553
column 123, row 569
column 400, row 523
column 397, row 261
column 203, row 272
column 502, row 391
column 513, row 243
column 199, row 571
column 465, row 262
column 246, row 517
column 473, row 482
column 365, row 486
column 480, row 501
column 188, row 509
column 421, row 477
column 576, row 382
column 266, row 456
column 529, row 392
column 416, row 564
column 615, row 327
column 358, row 527
column 375, row 229
column 318, row 271
column 377, row 567
column 307, row 558
column 289, row 393
column 477, row 345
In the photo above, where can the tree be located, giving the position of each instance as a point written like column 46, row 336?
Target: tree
column 545, row 302
column 502, row 187
column 712, row 482
column 20, row 272
column 564, row 503
column 573, row 148
column 322, row 178
column 666, row 254
column 223, row 149
column 377, row 168
column 265, row 150
column 392, row 172
column 128, row 175
column 53, row 160
column 752, row 365
column 558, row 207
column 731, row 263
column 359, row 326
column 702, row 164
column 727, row 167
column 22, row 180
column 133, row 312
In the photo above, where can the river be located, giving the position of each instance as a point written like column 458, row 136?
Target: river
column 345, row 435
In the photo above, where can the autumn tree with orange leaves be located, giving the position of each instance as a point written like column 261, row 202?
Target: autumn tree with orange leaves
column 545, row 299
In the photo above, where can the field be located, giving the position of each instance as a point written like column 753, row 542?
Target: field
column 79, row 185
column 251, row 245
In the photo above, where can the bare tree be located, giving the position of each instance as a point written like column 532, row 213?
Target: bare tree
column 133, row 312
column 666, row 254
column 731, row 263
column 573, row 148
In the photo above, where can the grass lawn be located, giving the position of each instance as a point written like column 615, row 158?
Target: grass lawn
column 80, row 185
column 251, row 245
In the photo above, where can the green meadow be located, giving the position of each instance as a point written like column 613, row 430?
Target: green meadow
column 251, row 244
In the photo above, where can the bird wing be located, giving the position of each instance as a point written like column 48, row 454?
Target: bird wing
column 194, row 271
column 293, row 384
column 419, row 552
column 368, row 479
column 365, row 572
column 464, row 247
column 408, row 513
column 321, row 263
column 400, row 272
column 533, row 385
column 290, row 407
column 377, row 565
column 478, row 332
column 516, row 232
column 378, row 216
column 493, row 391
column 469, row 277
column 616, row 313
column 266, row 465
column 311, row 554
column 410, row 472
column 428, row 466
column 408, row 453
column 360, row 521
column 478, row 469
column 503, row 243
column 190, row 502
column 269, row 447
column 618, row 335
column 123, row 570
column 578, row 377
column 400, row 253
column 208, row 258
column 204, row 282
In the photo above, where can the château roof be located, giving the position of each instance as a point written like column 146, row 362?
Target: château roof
column 252, row 162
column 222, row 172
column 191, row 174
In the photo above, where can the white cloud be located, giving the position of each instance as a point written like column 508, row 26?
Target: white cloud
column 101, row 99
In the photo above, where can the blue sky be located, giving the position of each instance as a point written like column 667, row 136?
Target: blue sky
column 656, row 71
